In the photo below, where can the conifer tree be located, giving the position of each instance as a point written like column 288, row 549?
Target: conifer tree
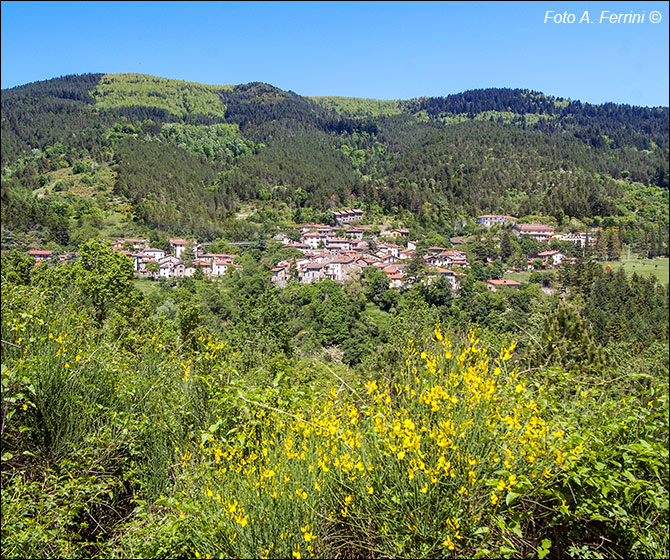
column 651, row 247
column 614, row 246
column 601, row 246
column 643, row 244
column 659, row 242
column 505, row 246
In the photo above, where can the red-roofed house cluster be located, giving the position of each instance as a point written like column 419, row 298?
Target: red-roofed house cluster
column 170, row 264
column 339, row 254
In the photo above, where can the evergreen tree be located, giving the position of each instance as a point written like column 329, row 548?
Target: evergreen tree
column 416, row 268
column 187, row 255
column 601, row 246
column 643, row 244
column 505, row 246
column 659, row 242
column 651, row 247
column 614, row 245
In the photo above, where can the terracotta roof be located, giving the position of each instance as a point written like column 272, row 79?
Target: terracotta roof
column 496, row 216
column 548, row 253
column 534, row 227
column 39, row 253
column 503, row 282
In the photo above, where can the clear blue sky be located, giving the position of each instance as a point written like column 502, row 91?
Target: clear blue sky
column 385, row 50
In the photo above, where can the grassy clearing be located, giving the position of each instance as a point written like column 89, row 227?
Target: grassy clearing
column 518, row 276
column 644, row 267
column 146, row 286
column 84, row 185
column 116, row 225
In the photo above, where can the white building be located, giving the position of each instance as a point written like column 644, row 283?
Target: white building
column 490, row 220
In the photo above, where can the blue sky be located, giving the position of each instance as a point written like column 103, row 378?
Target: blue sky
column 385, row 50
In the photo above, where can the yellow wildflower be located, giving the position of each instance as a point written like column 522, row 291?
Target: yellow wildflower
column 449, row 544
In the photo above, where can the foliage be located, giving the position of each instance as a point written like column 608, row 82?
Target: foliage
column 359, row 107
column 102, row 275
column 175, row 96
column 577, row 160
column 218, row 141
column 229, row 418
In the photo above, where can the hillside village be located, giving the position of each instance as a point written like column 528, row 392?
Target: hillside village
column 240, row 322
column 340, row 253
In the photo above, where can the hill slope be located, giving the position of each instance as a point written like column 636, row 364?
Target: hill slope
column 183, row 155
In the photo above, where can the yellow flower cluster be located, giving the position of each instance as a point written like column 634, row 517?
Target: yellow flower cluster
column 428, row 441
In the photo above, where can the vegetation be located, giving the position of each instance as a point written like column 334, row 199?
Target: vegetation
column 175, row 96
column 213, row 426
column 221, row 418
column 360, row 107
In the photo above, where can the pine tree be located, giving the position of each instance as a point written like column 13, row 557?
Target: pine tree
column 643, row 244
column 659, row 242
column 566, row 341
column 601, row 246
column 614, row 246
column 187, row 255
column 651, row 247
column 505, row 246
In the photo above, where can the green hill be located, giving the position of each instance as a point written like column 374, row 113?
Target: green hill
column 183, row 155
column 175, row 96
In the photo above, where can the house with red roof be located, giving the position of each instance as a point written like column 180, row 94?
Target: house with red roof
column 497, row 283
column 39, row 255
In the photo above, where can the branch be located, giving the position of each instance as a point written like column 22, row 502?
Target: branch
column 289, row 414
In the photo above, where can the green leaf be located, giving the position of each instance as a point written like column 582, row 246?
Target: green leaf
column 511, row 496
column 507, row 551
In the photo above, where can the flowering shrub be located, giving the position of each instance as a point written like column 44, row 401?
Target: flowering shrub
column 413, row 465
column 168, row 450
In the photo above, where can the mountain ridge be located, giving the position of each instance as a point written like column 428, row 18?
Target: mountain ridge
column 429, row 160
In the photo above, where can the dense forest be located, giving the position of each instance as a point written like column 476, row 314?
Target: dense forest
column 205, row 150
column 219, row 417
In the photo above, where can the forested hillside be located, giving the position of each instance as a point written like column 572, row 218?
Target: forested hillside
column 435, row 160
column 413, row 382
